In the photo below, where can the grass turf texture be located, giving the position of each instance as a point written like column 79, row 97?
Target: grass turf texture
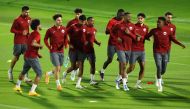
column 104, row 96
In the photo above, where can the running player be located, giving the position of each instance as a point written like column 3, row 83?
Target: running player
column 138, row 53
column 20, row 28
column 169, row 16
column 111, row 49
column 125, row 34
column 89, row 49
column 55, row 40
column 162, row 39
column 72, row 51
column 31, row 58
column 77, row 43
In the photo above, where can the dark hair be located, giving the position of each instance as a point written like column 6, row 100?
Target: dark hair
column 120, row 10
column 34, row 24
column 82, row 17
column 56, row 16
column 127, row 13
column 89, row 18
column 78, row 10
column 25, row 8
column 162, row 18
column 142, row 15
column 168, row 13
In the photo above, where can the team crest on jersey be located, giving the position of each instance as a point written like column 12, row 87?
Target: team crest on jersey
column 94, row 32
column 171, row 29
column 28, row 21
column 144, row 29
column 130, row 27
column 84, row 30
column 63, row 31
column 164, row 33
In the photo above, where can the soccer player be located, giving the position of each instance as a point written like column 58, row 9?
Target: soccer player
column 55, row 40
column 169, row 16
column 77, row 43
column 89, row 48
column 111, row 49
column 138, row 53
column 72, row 51
column 125, row 34
column 20, row 28
column 162, row 39
column 31, row 58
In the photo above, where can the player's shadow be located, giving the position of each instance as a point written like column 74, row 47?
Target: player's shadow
column 41, row 101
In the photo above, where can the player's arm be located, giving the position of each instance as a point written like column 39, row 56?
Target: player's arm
column 36, row 44
column 173, row 39
column 97, row 42
column 46, row 39
column 108, row 27
column 150, row 34
column 14, row 28
column 132, row 33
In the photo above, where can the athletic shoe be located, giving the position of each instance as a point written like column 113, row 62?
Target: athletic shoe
column 102, row 75
column 138, row 86
column 18, row 89
column 125, row 88
column 156, row 81
column 73, row 73
column 59, row 88
column 79, row 87
column 27, row 80
column 33, row 94
column 162, row 81
column 93, row 83
column 10, row 75
column 117, row 86
column 46, row 78
column 160, row 88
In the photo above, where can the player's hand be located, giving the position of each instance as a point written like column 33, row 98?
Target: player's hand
column 25, row 32
column 139, row 37
column 127, row 31
column 99, row 43
column 183, row 46
column 39, row 55
column 119, row 39
column 41, row 47
column 71, row 46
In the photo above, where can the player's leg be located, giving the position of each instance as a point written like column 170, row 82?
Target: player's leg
column 34, row 63
column 26, row 68
column 141, row 61
column 111, row 50
column 164, row 65
column 73, row 61
column 92, row 60
column 16, row 55
column 81, row 57
column 158, row 62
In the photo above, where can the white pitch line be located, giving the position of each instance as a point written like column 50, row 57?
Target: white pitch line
column 11, row 106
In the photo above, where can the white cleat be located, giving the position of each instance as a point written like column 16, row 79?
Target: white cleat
column 117, row 86
column 63, row 81
column 73, row 73
column 138, row 86
column 160, row 88
column 26, row 79
column 125, row 88
column 162, row 81
column 79, row 87
column 10, row 75
column 93, row 83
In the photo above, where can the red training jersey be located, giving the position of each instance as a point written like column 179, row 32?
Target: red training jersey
column 113, row 37
column 162, row 39
column 120, row 30
column 57, row 39
column 32, row 52
column 19, row 25
column 141, row 30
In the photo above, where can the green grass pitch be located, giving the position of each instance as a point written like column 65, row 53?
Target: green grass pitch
column 176, row 93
